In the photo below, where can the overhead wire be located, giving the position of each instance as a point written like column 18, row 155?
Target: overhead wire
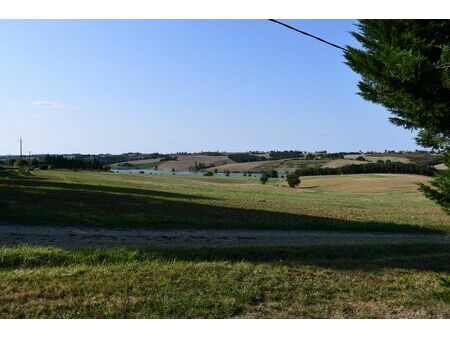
column 308, row 34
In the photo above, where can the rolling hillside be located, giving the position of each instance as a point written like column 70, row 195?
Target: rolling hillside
column 185, row 162
column 225, row 163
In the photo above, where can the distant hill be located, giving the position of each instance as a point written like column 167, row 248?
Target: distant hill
column 139, row 164
column 187, row 162
column 260, row 162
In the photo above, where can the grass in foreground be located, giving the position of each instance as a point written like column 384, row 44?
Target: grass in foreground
column 397, row 281
column 374, row 202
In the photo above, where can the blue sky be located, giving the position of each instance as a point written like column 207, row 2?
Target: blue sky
column 175, row 85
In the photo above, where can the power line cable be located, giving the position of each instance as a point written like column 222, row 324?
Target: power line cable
column 308, row 34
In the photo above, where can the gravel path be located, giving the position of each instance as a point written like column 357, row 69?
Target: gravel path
column 92, row 237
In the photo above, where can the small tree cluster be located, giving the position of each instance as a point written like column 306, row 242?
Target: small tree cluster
column 293, row 179
column 264, row 178
column 273, row 173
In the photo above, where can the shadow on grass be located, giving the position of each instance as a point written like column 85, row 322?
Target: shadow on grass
column 423, row 257
column 58, row 203
column 78, row 187
column 14, row 174
column 360, row 257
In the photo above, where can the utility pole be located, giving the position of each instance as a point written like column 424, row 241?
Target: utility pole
column 29, row 156
column 20, row 141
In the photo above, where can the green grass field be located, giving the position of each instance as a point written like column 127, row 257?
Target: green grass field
column 359, row 281
column 319, row 282
column 379, row 202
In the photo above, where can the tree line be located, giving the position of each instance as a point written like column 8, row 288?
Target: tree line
column 246, row 157
column 61, row 162
column 371, row 168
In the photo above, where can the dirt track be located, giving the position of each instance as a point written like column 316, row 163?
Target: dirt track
column 74, row 237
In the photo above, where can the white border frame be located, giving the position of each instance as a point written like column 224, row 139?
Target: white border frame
column 224, row 328
column 223, row 9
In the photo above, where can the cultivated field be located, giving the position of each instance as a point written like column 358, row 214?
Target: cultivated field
column 244, row 166
column 372, row 158
column 224, row 163
column 185, row 162
column 410, row 280
column 289, row 164
column 341, row 162
column 441, row 166
column 139, row 164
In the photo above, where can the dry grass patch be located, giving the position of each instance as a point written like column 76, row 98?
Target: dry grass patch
column 392, row 158
column 365, row 183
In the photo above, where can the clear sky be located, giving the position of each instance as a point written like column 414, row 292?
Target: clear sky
column 174, row 85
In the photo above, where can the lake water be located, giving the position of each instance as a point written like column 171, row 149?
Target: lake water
column 181, row 172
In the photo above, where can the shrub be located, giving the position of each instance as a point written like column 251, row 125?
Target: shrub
column 264, row 178
column 360, row 158
column 35, row 163
column 274, row 174
column 43, row 166
column 293, row 179
column 208, row 173
column 21, row 163
column 227, row 173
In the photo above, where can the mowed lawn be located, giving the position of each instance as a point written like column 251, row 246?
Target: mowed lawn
column 373, row 202
column 394, row 281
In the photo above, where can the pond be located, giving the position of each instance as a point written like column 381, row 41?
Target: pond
column 180, row 172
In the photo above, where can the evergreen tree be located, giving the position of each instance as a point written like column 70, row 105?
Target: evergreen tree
column 405, row 66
